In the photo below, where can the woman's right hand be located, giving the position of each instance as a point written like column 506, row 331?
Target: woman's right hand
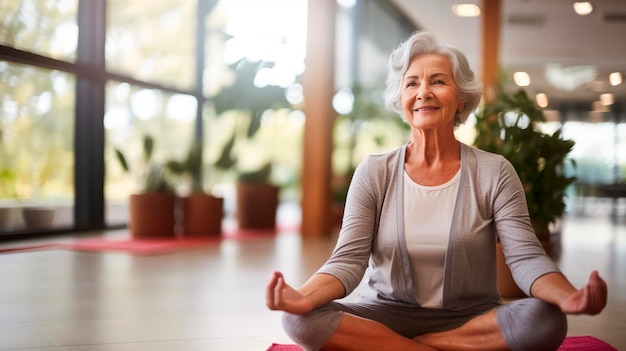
column 282, row 297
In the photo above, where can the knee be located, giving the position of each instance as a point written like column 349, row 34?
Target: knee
column 553, row 324
column 296, row 326
column 311, row 331
column 531, row 324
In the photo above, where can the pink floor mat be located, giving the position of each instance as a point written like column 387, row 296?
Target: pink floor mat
column 571, row 343
column 151, row 246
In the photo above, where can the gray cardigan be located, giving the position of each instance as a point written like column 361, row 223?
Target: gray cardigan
column 490, row 200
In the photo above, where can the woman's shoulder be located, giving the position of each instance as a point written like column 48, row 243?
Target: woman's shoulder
column 383, row 160
column 487, row 164
column 483, row 157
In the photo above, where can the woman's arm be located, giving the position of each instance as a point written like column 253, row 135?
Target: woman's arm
column 556, row 289
column 344, row 270
column 320, row 289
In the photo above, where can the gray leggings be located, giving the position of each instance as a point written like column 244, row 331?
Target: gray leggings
column 527, row 324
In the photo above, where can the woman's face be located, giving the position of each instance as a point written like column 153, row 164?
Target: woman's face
column 430, row 96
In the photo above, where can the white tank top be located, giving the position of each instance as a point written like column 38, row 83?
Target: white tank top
column 428, row 214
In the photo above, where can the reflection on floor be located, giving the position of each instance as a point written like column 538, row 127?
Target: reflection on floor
column 212, row 298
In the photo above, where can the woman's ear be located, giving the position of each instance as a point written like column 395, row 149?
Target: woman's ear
column 461, row 107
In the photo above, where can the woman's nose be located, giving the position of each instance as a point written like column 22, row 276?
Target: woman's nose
column 424, row 92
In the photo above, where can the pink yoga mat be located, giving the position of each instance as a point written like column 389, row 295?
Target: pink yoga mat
column 571, row 343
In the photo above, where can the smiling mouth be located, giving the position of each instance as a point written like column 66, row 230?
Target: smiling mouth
column 426, row 109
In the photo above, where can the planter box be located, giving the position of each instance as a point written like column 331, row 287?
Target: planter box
column 38, row 218
column 151, row 215
column 256, row 205
column 506, row 284
column 202, row 215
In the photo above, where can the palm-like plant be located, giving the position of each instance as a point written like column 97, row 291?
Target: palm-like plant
column 508, row 126
column 155, row 176
column 243, row 95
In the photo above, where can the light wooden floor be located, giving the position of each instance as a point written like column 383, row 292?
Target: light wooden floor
column 213, row 298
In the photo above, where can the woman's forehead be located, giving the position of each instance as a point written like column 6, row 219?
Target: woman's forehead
column 430, row 63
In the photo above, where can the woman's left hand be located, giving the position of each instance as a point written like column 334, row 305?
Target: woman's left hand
column 590, row 300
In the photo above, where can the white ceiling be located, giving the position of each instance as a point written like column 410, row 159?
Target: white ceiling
column 537, row 34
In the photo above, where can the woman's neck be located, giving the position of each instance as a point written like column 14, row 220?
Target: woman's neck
column 432, row 159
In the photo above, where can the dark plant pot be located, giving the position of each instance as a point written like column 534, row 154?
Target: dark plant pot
column 5, row 217
column 151, row 215
column 38, row 218
column 202, row 215
column 506, row 284
column 256, row 205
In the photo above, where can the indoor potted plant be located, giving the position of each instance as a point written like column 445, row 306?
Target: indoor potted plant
column 151, row 210
column 257, row 197
column 508, row 126
column 202, row 212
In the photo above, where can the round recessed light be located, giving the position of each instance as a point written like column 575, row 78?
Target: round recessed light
column 583, row 8
column 615, row 78
column 522, row 79
column 466, row 10
column 542, row 100
column 607, row 99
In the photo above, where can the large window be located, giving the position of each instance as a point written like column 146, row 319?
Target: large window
column 81, row 79
column 36, row 154
column 269, row 35
column 43, row 27
column 132, row 114
column 152, row 41
column 367, row 33
column 598, row 160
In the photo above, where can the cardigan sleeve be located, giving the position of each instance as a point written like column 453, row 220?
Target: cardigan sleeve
column 350, row 257
column 523, row 252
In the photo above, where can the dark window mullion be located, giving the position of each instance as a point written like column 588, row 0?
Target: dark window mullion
column 89, row 169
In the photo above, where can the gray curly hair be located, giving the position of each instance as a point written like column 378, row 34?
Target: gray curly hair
column 470, row 89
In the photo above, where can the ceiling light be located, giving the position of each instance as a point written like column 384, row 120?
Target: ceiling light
column 615, row 78
column 522, row 79
column 607, row 99
column 542, row 100
column 466, row 10
column 583, row 8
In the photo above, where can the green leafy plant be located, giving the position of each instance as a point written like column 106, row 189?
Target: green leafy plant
column 508, row 126
column 260, row 176
column 243, row 95
column 191, row 167
column 154, row 177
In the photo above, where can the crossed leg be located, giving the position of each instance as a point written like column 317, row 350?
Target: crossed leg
column 480, row 333
column 356, row 333
column 527, row 324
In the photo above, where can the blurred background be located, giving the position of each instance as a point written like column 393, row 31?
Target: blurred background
column 81, row 79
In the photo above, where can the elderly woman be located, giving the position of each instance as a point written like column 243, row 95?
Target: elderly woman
column 422, row 220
